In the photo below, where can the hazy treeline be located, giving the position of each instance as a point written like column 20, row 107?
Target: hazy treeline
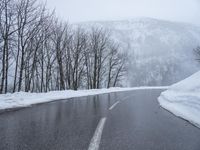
column 40, row 53
column 197, row 53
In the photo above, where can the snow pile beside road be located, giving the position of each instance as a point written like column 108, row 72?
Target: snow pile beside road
column 183, row 99
column 23, row 99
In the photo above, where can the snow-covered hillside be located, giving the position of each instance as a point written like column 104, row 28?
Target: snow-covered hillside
column 160, row 52
column 183, row 99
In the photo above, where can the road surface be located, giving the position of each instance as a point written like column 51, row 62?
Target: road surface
column 118, row 121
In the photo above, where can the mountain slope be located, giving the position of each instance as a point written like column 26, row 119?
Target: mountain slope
column 160, row 52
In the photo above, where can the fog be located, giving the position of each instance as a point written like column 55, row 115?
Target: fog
column 92, row 10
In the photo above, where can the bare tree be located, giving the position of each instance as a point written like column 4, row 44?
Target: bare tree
column 7, row 30
column 98, row 42
column 29, row 20
column 121, row 68
column 79, row 44
column 197, row 52
column 113, row 62
column 40, row 53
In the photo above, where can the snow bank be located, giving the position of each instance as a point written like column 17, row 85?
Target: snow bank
column 183, row 99
column 23, row 99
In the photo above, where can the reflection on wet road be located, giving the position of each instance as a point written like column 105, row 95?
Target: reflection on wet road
column 134, row 121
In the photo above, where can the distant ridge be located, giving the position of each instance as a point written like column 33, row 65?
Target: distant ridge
column 160, row 51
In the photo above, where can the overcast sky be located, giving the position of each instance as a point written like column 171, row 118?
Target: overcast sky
column 93, row 10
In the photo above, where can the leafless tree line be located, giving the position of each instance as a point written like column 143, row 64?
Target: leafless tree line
column 40, row 53
column 197, row 53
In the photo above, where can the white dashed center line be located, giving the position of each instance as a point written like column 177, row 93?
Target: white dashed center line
column 113, row 106
column 94, row 144
column 126, row 98
column 96, row 139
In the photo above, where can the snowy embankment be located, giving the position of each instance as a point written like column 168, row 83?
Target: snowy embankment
column 23, row 99
column 183, row 99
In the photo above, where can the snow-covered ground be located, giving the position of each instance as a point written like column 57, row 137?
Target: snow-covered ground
column 23, row 99
column 183, row 99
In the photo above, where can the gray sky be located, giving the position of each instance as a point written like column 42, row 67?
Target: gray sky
column 89, row 10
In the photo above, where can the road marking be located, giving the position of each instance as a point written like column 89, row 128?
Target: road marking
column 113, row 106
column 96, row 139
column 126, row 98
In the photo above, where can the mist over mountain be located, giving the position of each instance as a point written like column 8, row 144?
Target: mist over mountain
column 159, row 52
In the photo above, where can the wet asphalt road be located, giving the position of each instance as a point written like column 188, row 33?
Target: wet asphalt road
column 135, row 123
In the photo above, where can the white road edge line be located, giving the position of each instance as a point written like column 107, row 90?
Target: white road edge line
column 113, row 106
column 96, row 139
